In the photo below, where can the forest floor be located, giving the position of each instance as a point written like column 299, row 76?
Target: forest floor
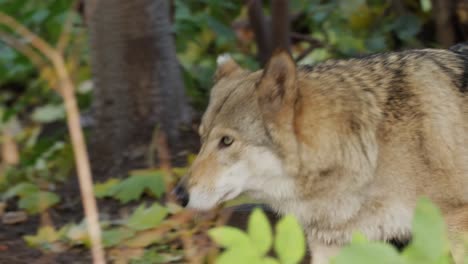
column 14, row 249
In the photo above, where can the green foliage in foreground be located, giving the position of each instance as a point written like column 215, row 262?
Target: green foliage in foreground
column 252, row 247
column 429, row 245
column 261, row 243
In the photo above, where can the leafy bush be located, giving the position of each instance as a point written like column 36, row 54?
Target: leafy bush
column 429, row 244
column 252, row 247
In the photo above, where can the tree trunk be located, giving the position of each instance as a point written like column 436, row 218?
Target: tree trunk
column 138, row 85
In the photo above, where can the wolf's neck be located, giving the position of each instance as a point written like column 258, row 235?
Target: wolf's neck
column 334, row 220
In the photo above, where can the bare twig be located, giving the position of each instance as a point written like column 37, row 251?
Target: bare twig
column 81, row 159
column 280, row 24
column 312, row 41
column 262, row 32
column 313, row 44
column 27, row 35
column 26, row 50
column 163, row 152
column 305, row 53
column 73, row 121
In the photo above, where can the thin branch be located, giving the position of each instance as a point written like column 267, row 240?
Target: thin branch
column 26, row 50
column 313, row 44
column 305, row 53
column 81, row 159
column 76, row 133
column 262, row 33
column 280, row 24
column 28, row 35
column 313, row 41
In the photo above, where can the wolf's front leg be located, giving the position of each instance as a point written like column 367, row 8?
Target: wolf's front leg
column 322, row 253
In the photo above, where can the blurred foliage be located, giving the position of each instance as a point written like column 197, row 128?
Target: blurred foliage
column 132, row 188
column 252, row 247
column 204, row 29
column 429, row 244
column 30, row 107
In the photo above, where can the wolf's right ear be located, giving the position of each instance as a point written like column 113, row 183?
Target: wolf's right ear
column 277, row 86
column 226, row 66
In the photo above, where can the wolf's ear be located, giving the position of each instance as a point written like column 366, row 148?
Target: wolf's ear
column 226, row 66
column 278, row 83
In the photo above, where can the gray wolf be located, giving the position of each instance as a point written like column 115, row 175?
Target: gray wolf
column 344, row 145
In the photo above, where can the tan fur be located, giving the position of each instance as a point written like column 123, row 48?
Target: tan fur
column 345, row 145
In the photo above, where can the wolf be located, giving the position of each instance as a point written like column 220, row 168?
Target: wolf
column 345, row 145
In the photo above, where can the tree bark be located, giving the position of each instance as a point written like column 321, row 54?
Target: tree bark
column 138, row 84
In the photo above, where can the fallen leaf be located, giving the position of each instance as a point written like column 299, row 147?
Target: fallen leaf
column 145, row 218
column 102, row 190
column 114, row 236
column 133, row 187
column 38, row 201
column 11, row 218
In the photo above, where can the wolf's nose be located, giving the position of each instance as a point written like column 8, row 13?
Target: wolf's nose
column 181, row 194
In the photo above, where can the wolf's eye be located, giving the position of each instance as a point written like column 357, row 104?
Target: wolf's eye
column 226, row 141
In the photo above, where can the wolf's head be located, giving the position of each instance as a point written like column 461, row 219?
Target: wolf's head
column 239, row 153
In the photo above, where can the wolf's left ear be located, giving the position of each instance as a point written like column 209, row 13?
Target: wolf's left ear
column 226, row 67
column 278, row 83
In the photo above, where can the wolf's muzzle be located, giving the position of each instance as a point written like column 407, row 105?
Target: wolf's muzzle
column 181, row 194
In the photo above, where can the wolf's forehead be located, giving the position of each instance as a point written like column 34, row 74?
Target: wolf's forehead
column 231, row 102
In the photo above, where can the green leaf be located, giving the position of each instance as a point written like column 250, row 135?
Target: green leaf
column 145, row 218
column 407, row 26
column 21, row 189
column 102, row 190
column 115, row 236
column 78, row 234
column 39, row 201
column 48, row 113
column 349, row 7
column 236, row 255
column 150, row 256
column 230, row 237
column 259, row 231
column 426, row 5
column 46, row 234
column 222, row 31
column 289, row 241
column 133, row 187
column 368, row 253
column 429, row 243
column 270, row 260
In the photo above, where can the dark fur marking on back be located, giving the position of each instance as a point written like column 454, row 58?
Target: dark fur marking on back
column 450, row 73
column 398, row 95
column 464, row 76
